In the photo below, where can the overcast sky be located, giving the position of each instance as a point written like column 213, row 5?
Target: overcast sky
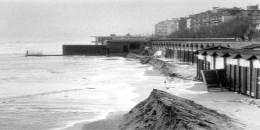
column 76, row 20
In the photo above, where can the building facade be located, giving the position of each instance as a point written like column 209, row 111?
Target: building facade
column 219, row 15
column 100, row 40
column 253, row 15
column 166, row 27
column 183, row 24
column 213, row 17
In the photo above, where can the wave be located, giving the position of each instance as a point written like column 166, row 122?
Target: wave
column 45, row 93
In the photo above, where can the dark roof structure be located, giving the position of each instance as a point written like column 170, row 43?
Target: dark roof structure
column 195, row 39
column 252, row 46
column 233, row 53
column 126, row 41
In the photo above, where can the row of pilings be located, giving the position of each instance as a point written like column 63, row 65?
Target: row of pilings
column 185, row 50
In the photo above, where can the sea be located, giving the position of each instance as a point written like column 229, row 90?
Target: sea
column 56, row 92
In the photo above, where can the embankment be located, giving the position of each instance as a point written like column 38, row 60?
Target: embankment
column 163, row 111
column 164, row 67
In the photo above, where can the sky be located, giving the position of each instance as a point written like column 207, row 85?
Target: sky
column 77, row 20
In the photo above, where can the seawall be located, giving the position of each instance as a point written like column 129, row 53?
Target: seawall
column 164, row 67
column 95, row 50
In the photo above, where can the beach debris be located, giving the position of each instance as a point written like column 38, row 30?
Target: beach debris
column 165, row 84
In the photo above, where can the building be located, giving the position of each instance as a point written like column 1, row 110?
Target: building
column 114, row 47
column 188, row 23
column 182, row 24
column 165, row 28
column 123, row 47
column 253, row 15
column 219, row 15
column 240, row 68
column 100, row 40
column 213, row 17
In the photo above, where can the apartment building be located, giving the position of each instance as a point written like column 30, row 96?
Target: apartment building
column 166, row 27
column 213, row 17
column 219, row 15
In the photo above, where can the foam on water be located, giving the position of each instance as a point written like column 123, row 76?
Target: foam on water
column 57, row 92
column 70, row 124
column 53, row 92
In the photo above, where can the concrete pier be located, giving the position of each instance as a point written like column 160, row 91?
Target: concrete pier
column 109, row 48
column 95, row 50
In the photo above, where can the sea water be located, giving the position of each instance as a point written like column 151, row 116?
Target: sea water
column 52, row 93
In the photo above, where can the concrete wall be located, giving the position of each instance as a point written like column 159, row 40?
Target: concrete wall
column 92, row 50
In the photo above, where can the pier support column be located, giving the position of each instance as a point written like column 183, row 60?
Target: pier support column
column 192, row 55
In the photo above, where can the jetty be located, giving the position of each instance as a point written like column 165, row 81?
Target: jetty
column 44, row 55
column 40, row 54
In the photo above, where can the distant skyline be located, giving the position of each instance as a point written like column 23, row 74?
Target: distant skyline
column 76, row 20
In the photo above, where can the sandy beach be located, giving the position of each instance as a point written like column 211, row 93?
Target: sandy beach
column 113, row 119
column 129, row 64
column 241, row 108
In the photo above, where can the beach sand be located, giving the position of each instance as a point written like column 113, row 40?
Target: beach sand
column 111, row 122
column 242, row 109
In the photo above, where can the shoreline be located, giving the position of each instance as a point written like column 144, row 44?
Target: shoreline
column 238, row 107
column 162, row 70
column 110, row 120
column 142, row 91
column 62, row 107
